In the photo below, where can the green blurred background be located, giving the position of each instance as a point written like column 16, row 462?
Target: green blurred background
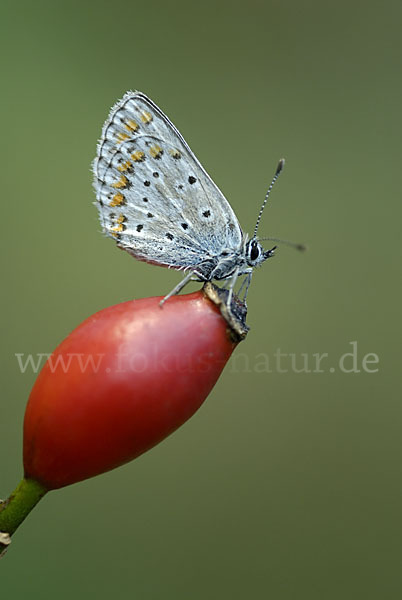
column 283, row 485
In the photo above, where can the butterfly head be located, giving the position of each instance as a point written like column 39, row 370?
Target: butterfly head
column 255, row 253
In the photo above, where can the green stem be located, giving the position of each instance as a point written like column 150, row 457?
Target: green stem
column 23, row 499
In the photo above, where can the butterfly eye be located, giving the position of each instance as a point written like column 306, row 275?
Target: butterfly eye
column 255, row 251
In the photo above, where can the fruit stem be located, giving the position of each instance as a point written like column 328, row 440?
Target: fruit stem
column 14, row 510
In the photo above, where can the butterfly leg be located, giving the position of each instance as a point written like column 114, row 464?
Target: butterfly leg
column 178, row 287
column 246, row 282
column 231, row 286
column 247, row 286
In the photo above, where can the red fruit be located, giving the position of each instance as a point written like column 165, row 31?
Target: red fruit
column 120, row 383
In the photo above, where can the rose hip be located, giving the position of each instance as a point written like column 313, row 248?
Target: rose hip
column 120, row 383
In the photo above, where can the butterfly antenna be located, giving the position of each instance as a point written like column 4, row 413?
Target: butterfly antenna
column 294, row 245
column 278, row 171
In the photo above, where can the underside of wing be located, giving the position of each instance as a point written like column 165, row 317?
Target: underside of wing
column 153, row 196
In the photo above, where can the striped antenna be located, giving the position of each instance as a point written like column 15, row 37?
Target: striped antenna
column 278, row 171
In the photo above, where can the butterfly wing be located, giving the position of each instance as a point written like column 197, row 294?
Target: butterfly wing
column 154, row 197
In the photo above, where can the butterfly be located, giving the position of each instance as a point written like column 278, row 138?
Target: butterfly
column 159, row 204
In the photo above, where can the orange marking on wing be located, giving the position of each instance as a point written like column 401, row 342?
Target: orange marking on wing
column 146, row 117
column 119, row 227
column 122, row 183
column 131, row 125
column 126, row 165
column 121, row 137
column 138, row 156
column 156, row 151
column 117, row 200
